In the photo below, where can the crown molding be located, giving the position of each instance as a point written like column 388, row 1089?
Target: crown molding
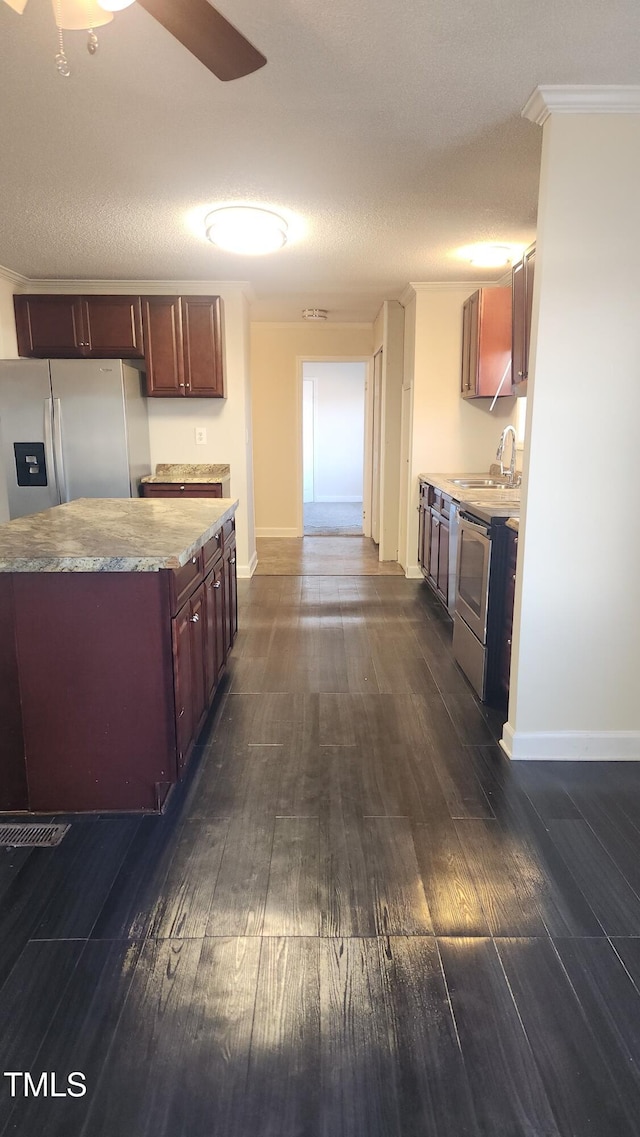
column 13, row 277
column 414, row 287
column 562, row 99
column 146, row 287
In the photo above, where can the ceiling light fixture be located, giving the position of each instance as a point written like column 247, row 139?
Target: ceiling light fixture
column 246, row 229
column 490, row 256
column 314, row 313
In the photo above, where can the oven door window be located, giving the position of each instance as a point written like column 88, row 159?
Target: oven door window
column 472, row 577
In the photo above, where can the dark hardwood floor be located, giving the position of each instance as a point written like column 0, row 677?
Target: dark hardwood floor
column 356, row 918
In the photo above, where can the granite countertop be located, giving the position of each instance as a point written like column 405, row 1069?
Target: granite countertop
column 513, row 523
column 112, row 535
column 188, row 472
column 490, row 501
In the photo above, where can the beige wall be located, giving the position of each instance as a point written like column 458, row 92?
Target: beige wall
column 276, row 350
column 447, row 433
column 576, row 650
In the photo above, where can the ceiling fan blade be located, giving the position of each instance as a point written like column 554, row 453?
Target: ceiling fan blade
column 207, row 35
column 17, row 5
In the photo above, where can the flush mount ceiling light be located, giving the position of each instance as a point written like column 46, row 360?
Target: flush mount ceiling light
column 246, row 229
column 489, row 256
column 314, row 313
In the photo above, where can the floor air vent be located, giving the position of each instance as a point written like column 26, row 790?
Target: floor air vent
column 31, row 836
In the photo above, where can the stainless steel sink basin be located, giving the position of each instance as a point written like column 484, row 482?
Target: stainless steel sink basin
column 481, row 483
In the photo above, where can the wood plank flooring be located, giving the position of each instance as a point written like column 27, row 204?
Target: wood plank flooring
column 356, row 918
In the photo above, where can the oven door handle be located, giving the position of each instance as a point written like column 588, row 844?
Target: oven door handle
column 471, row 523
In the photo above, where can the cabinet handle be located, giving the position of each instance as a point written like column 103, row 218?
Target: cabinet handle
column 193, row 560
column 521, row 374
column 217, row 583
column 509, row 643
column 195, row 618
column 232, row 560
column 514, row 576
column 182, row 488
column 182, row 384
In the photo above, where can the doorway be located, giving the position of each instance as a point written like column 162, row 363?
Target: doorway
column 333, row 434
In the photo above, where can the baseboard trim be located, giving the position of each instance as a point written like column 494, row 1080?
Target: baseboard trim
column 277, row 532
column 413, row 572
column 245, row 572
column 571, row 745
column 322, row 500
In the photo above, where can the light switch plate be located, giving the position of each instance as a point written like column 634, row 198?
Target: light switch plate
column 201, row 436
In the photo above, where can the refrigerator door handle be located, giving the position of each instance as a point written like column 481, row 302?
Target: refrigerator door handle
column 48, row 448
column 57, row 449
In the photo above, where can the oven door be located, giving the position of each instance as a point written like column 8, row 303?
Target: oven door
column 472, row 575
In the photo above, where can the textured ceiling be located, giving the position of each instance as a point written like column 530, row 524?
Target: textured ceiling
column 391, row 134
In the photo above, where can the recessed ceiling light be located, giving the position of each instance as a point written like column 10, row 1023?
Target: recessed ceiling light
column 246, row 229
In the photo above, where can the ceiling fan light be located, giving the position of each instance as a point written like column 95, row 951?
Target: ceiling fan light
column 115, row 5
column 246, row 229
column 79, row 15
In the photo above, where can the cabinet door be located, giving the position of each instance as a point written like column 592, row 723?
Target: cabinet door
column 215, row 615
column 202, row 339
column 422, row 517
column 474, row 334
column 443, row 561
column 434, row 547
column 113, row 326
column 529, row 272
column 518, row 364
column 230, row 595
column 182, row 683
column 50, row 327
column 198, row 627
column 162, row 321
column 467, row 315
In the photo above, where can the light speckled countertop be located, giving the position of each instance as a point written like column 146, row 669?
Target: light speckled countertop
column 188, row 472
column 500, row 500
column 514, row 523
column 112, row 535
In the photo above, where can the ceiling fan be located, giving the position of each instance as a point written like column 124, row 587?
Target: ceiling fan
column 195, row 23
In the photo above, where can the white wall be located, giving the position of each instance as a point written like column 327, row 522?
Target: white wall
column 443, row 433
column 576, row 652
column 389, row 336
column 338, row 429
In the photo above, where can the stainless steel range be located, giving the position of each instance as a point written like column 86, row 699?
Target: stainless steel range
column 480, row 568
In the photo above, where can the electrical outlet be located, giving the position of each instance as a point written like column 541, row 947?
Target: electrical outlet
column 201, row 436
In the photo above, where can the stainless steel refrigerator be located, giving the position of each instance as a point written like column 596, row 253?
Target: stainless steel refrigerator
column 71, row 428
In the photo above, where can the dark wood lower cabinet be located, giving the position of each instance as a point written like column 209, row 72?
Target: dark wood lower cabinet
column 506, row 631
column 179, row 489
column 107, row 679
column 433, row 538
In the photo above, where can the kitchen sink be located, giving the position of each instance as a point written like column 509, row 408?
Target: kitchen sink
column 481, row 483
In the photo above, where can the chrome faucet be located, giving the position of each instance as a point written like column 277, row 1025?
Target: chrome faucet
column 513, row 478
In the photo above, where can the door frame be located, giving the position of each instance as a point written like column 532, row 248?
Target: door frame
column 368, row 434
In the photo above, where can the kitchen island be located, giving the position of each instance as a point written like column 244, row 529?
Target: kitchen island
column 116, row 619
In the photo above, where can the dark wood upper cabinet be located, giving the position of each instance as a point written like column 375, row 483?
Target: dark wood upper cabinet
column 71, row 327
column 162, row 319
column 202, row 337
column 183, row 337
column 49, row 327
column 113, row 327
column 522, row 275
column 486, row 343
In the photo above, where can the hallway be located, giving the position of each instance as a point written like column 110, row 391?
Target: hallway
column 356, row 919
